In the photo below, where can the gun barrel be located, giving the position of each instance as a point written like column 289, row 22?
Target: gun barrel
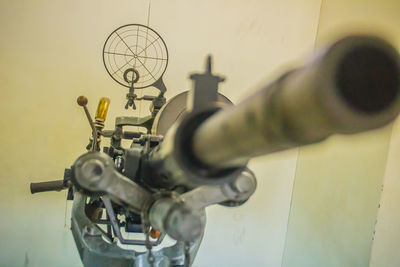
column 350, row 87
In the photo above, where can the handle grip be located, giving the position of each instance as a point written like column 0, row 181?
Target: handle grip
column 57, row 185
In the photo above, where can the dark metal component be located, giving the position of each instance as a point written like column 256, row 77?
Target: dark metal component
column 133, row 227
column 125, row 134
column 70, row 194
column 308, row 104
column 119, row 163
column 48, row 186
column 160, row 85
column 133, row 223
column 132, row 158
column 205, row 90
column 131, row 96
column 67, row 181
column 156, row 104
column 135, row 75
column 131, row 135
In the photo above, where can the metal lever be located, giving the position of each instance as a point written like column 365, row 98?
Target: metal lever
column 82, row 101
column 95, row 173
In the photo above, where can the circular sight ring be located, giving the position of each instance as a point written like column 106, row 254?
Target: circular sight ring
column 157, row 40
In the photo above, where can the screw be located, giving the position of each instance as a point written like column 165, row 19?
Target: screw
column 92, row 170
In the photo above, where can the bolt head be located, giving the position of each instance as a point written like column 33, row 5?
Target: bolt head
column 184, row 224
column 243, row 184
column 92, row 170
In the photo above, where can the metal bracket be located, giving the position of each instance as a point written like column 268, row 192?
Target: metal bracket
column 94, row 172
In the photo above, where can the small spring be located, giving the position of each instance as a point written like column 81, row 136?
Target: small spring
column 99, row 124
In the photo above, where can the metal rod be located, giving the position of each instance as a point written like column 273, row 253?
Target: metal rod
column 82, row 101
column 117, row 232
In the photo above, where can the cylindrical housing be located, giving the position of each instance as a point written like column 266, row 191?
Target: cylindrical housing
column 350, row 87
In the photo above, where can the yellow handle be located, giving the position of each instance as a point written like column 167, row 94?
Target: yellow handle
column 102, row 109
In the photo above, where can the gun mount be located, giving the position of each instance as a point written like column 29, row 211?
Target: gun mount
column 197, row 145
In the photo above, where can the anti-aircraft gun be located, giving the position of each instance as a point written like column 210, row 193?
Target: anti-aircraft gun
column 196, row 146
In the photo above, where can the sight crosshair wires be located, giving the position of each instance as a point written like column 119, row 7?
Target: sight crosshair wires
column 136, row 56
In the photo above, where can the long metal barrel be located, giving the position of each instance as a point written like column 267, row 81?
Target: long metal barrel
column 350, row 87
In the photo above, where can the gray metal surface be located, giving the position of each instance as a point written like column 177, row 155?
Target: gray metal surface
column 95, row 250
column 177, row 219
column 94, row 172
column 350, row 87
column 237, row 191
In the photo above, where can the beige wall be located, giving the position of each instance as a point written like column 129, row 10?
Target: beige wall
column 50, row 53
column 338, row 184
column 385, row 249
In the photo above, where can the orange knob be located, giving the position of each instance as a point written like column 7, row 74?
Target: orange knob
column 154, row 233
